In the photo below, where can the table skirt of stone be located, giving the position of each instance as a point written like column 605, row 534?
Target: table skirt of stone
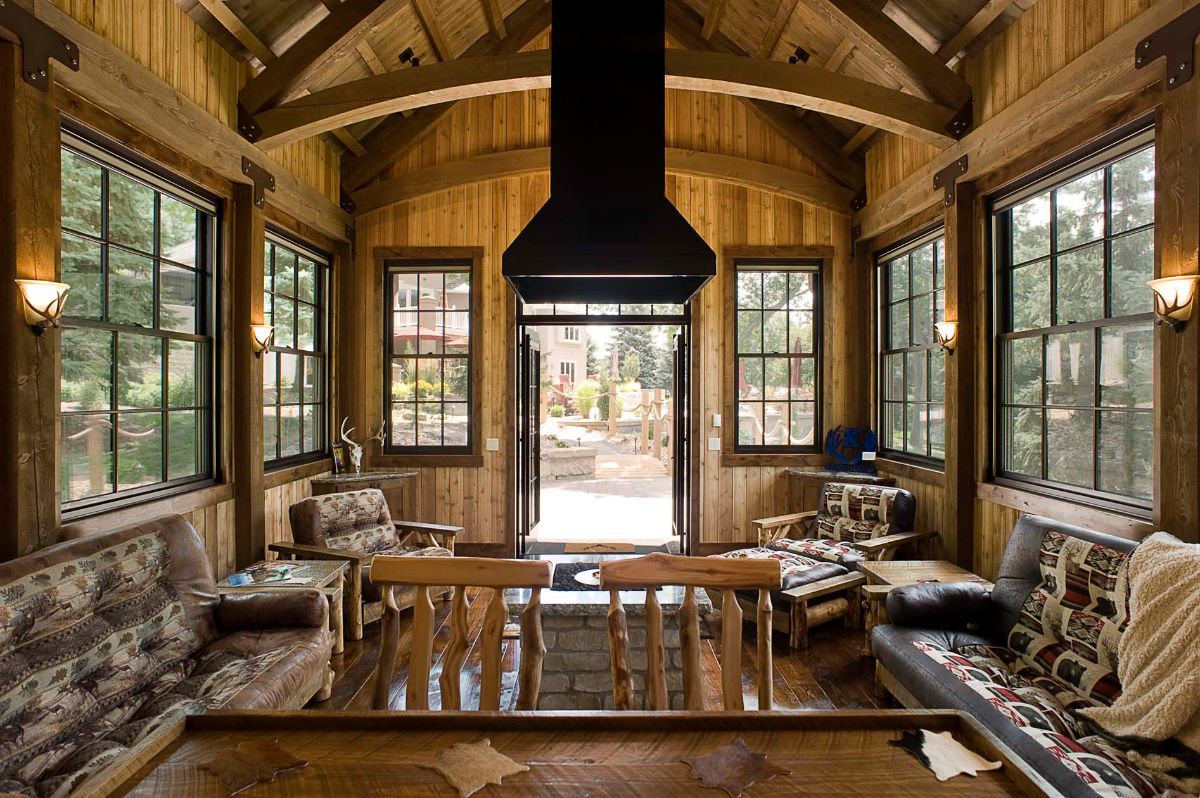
column 576, row 672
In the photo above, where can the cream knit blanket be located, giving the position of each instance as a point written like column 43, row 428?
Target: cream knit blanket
column 1158, row 657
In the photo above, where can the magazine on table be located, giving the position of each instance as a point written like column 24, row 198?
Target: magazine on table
column 270, row 573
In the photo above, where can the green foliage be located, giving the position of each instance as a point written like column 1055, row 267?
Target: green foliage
column 631, row 366
column 557, row 411
column 653, row 356
column 586, row 393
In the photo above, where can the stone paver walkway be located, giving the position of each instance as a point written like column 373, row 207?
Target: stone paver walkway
column 620, row 510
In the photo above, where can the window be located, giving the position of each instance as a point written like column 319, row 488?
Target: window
column 567, row 369
column 777, row 342
column 570, row 333
column 1075, row 328
column 295, row 292
column 137, row 345
column 912, row 296
column 429, row 332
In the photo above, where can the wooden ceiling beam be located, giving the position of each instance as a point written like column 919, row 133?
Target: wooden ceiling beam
column 427, row 16
column 917, row 69
column 495, row 18
column 971, row 31
column 370, row 57
column 812, row 189
column 326, row 44
column 683, row 27
column 349, row 141
column 783, row 15
column 395, row 136
column 712, row 19
column 230, row 21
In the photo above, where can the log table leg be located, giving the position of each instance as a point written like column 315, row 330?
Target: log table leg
column 337, row 623
column 354, row 608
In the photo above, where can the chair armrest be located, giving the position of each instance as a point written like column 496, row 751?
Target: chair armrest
column 288, row 608
column 307, row 551
column 766, row 528
column 441, row 534
column 940, row 605
column 875, row 547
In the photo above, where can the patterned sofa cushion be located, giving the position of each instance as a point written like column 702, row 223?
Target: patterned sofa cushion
column 1071, row 623
column 796, row 569
column 854, row 513
column 356, row 521
column 1033, row 703
column 827, row 550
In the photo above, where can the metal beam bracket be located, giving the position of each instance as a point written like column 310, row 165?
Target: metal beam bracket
column 859, row 200
column 963, row 121
column 347, row 202
column 39, row 43
column 262, row 179
column 946, row 178
column 1175, row 41
column 247, row 127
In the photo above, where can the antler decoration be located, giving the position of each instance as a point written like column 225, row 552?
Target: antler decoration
column 355, row 450
column 378, row 436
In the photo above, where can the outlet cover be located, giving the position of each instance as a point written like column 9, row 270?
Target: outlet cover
column 716, row 419
column 714, row 444
column 493, row 444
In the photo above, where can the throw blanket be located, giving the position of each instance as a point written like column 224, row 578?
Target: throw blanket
column 1158, row 663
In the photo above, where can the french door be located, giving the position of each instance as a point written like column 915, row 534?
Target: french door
column 681, row 440
column 529, row 438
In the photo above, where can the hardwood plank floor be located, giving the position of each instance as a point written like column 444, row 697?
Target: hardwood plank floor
column 830, row 674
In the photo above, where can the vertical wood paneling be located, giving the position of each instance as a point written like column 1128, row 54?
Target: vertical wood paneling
column 276, row 502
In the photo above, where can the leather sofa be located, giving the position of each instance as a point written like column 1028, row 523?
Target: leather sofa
column 105, row 639
column 1022, row 656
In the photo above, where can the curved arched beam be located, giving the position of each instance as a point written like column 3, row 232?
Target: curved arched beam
column 813, row 189
column 791, row 84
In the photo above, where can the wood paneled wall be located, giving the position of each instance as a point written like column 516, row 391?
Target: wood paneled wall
column 1047, row 37
column 277, row 501
column 490, row 215
column 163, row 39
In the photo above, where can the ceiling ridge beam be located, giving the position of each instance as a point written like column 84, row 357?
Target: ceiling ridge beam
column 390, row 140
column 317, row 51
column 917, row 68
column 971, row 31
column 818, row 190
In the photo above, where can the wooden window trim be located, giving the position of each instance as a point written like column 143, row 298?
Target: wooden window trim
column 798, row 456
column 473, row 457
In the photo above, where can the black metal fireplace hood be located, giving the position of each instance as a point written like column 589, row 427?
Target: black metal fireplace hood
column 608, row 234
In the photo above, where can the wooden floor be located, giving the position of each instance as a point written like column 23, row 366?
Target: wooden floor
column 830, row 674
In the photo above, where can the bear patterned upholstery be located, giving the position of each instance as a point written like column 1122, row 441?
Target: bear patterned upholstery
column 105, row 639
column 856, row 513
column 1058, row 610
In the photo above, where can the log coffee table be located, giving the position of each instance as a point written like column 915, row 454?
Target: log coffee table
column 883, row 577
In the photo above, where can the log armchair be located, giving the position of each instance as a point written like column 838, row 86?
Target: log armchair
column 391, row 574
column 721, row 577
column 355, row 526
column 819, row 552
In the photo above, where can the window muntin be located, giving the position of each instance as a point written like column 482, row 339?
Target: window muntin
column 429, row 355
column 136, row 389
column 912, row 384
column 776, row 367
column 1075, row 345
column 570, row 333
column 566, row 368
column 295, row 367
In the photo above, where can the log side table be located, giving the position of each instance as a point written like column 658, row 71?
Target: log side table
column 883, row 577
column 323, row 575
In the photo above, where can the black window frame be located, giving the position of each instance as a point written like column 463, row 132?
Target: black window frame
column 929, row 237
column 1109, row 150
column 814, row 266
column 322, row 346
column 114, row 157
column 418, row 266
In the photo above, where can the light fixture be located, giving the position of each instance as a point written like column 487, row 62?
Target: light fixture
column 262, row 335
column 43, row 301
column 947, row 334
column 1173, row 297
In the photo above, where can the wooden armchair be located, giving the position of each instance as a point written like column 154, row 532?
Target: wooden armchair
column 355, row 526
column 389, row 572
column 650, row 573
column 820, row 550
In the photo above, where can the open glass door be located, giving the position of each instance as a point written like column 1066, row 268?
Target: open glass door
column 681, row 481
column 529, row 439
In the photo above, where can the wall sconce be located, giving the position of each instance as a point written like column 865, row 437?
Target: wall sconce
column 1173, row 297
column 262, row 335
column 43, row 302
column 947, row 334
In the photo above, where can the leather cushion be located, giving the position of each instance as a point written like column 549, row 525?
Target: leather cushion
column 293, row 657
column 942, row 605
column 272, row 609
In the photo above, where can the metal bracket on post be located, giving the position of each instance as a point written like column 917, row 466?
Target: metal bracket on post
column 262, row 179
column 250, row 129
column 1176, row 41
column 859, row 200
column 946, row 178
column 347, row 202
column 39, row 43
column 963, row 121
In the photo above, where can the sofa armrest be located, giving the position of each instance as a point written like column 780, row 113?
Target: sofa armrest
column 769, row 530
column 940, row 605
column 882, row 547
column 307, row 551
column 289, row 608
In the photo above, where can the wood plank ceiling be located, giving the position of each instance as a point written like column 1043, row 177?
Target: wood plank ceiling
column 296, row 47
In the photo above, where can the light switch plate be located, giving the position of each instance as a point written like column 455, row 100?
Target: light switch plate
column 716, row 419
column 868, row 456
column 714, row 444
column 493, row 444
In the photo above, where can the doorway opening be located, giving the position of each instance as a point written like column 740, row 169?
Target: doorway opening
column 602, row 427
